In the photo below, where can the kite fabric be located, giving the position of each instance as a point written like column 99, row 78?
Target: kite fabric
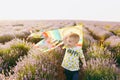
column 57, row 35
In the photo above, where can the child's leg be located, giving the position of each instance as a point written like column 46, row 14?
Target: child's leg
column 68, row 74
column 75, row 75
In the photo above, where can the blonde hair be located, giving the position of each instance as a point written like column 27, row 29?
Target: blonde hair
column 74, row 35
column 71, row 35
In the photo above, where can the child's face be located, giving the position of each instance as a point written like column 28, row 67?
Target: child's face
column 70, row 41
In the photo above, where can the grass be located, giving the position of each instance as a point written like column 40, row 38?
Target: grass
column 116, row 53
column 101, row 69
column 6, row 37
column 39, row 65
column 34, row 37
column 98, row 51
column 12, row 53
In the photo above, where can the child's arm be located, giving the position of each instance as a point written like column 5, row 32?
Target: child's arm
column 84, row 62
column 82, row 58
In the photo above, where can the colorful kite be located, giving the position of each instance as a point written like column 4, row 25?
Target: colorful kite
column 57, row 35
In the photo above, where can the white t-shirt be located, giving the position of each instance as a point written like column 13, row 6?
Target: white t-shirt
column 71, row 58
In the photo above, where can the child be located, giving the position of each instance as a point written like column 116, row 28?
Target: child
column 71, row 58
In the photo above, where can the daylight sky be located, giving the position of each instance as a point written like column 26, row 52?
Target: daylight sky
column 101, row 10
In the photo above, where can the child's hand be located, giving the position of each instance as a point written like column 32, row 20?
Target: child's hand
column 84, row 66
column 84, row 63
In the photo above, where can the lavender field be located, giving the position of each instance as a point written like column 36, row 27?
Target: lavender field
column 20, row 60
